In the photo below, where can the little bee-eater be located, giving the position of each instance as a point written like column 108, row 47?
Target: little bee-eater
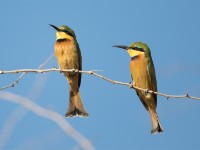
column 68, row 55
column 144, row 76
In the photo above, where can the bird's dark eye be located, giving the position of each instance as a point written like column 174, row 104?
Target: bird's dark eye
column 137, row 49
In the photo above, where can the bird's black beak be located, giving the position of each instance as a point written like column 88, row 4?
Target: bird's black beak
column 127, row 47
column 56, row 28
column 121, row 46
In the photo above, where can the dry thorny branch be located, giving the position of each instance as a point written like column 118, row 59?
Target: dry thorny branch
column 93, row 72
column 15, row 117
column 23, row 74
column 84, row 142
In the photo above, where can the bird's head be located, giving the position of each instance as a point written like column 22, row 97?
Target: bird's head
column 135, row 49
column 64, row 32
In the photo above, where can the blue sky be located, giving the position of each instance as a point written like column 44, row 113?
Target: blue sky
column 117, row 118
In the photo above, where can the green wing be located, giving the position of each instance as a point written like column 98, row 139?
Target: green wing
column 152, row 77
column 80, row 64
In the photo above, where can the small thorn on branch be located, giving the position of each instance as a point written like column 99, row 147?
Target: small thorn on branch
column 112, row 82
column 40, row 71
column 74, row 70
column 91, row 72
column 187, row 95
column 61, row 71
column 131, row 86
column 146, row 91
column 77, row 71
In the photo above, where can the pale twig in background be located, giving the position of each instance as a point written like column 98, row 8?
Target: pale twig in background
column 17, row 114
column 92, row 72
column 46, row 61
column 23, row 74
column 51, row 115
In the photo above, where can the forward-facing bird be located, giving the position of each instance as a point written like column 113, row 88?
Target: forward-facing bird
column 68, row 55
column 144, row 76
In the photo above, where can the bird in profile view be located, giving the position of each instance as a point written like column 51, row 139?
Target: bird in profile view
column 144, row 76
column 68, row 55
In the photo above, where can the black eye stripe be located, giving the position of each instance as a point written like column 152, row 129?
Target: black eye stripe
column 137, row 48
column 67, row 32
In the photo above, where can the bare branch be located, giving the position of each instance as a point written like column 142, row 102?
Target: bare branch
column 23, row 74
column 100, row 76
column 43, row 71
column 145, row 90
column 51, row 115
column 14, row 83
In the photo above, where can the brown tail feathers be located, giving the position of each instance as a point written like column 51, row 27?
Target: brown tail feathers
column 156, row 126
column 76, row 107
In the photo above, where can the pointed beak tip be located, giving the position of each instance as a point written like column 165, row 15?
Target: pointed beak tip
column 121, row 46
column 56, row 28
column 118, row 46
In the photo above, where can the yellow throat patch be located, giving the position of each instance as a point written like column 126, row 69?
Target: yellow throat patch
column 63, row 35
column 133, row 53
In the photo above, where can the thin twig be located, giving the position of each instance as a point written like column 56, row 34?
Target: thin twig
column 23, row 74
column 43, row 71
column 14, row 83
column 145, row 90
column 100, row 76
column 51, row 115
